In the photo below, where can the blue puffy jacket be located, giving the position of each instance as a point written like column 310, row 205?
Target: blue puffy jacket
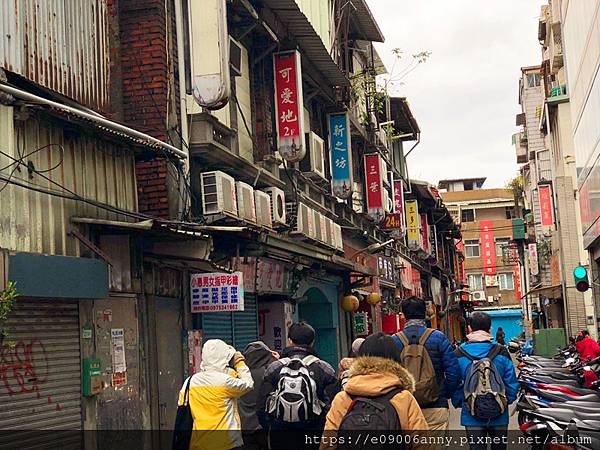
column 505, row 366
column 443, row 358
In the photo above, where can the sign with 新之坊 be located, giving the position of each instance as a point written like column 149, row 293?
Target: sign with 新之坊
column 289, row 105
column 488, row 247
column 341, row 154
column 213, row 292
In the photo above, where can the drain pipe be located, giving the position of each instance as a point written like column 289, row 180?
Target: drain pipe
column 182, row 78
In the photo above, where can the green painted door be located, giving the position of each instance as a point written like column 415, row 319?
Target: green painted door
column 319, row 313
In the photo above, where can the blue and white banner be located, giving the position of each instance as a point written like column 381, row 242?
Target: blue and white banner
column 341, row 154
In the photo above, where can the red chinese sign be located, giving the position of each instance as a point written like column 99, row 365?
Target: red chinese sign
column 289, row 106
column 425, row 232
column 399, row 201
column 488, row 247
column 546, row 205
column 517, row 273
column 460, row 246
column 373, row 178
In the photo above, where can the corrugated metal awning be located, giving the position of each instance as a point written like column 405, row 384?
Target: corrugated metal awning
column 369, row 30
column 99, row 122
column 308, row 40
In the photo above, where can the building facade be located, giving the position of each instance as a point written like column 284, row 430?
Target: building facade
column 190, row 156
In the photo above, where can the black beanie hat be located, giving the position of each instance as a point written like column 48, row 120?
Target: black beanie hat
column 382, row 345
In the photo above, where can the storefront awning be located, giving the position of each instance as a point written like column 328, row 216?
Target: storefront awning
column 554, row 291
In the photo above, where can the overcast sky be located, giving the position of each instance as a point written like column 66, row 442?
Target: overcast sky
column 465, row 96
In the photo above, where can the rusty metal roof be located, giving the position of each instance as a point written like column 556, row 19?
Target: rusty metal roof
column 368, row 28
column 310, row 43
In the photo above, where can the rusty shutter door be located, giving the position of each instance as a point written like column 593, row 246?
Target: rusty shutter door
column 40, row 373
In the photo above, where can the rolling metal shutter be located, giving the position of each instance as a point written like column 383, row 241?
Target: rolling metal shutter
column 245, row 323
column 235, row 328
column 40, row 374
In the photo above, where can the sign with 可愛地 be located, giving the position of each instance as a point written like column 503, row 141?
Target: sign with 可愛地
column 341, row 154
column 289, row 106
column 213, row 292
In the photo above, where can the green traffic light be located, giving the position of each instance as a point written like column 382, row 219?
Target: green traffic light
column 580, row 272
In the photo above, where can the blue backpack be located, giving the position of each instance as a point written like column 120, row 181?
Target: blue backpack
column 484, row 389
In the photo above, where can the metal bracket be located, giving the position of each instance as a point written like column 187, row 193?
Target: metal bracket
column 89, row 244
column 361, row 282
column 264, row 54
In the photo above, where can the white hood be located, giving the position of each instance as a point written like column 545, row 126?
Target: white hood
column 216, row 355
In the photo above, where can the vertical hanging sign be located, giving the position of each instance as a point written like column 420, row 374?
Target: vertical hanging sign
column 546, row 207
column 488, row 247
column 373, row 179
column 517, row 274
column 341, row 154
column 412, row 224
column 399, row 201
column 534, row 267
column 425, row 233
column 289, row 105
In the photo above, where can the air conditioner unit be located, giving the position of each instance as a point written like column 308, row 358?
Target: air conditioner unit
column 218, row 194
column 337, row 234
column 490, row 299
column 304, row 219
column 319, row 226
column 235, row 57
column 478, row 296
column 277, row 205
column 329, row 232
column 313, row 164
column 263, row 209
column 246, row 205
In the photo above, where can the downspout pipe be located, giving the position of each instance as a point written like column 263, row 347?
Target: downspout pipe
column 182, row 78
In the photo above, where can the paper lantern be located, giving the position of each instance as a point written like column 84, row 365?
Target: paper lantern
column 373, row 298
column 350, row 303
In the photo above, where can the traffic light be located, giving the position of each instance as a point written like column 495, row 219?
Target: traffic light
column 582, row 282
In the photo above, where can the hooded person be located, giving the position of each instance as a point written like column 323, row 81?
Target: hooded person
column 375, row 373
column 213, row 396
column 258, row 356
column 345, row 363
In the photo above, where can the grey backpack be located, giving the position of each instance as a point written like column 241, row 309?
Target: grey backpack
column 295, row 399
column 484, row 389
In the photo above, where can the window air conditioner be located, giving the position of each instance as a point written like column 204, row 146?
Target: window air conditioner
column 329, row 232
column 337, row 233
column 263, row 209
column 313, row 164
column 304, row 219
column 277, row 205
column 246, row 205
column 478, row 296
column 218, row 194
column 319, row 226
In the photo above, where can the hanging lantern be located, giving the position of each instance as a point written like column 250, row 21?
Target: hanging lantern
column 350, row 303
column 373, row 298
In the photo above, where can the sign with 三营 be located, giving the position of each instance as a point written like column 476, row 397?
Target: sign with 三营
column 213, row 292
column 341, row 154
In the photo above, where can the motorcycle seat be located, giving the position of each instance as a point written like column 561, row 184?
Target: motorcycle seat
column 550, row 380
column 561, row 397
column 564, row 415
column 594, row 405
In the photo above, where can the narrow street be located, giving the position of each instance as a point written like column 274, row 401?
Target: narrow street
column 230, row 215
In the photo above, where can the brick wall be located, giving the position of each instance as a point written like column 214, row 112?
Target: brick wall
column 150, row 93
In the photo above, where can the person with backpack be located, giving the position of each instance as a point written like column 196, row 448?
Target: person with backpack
column 258, row 357
column 345, row 363
column 489, row 384
column 500, row 336
column 427, row 354
column 377, row 398
column 297, row 390
column 212, row 396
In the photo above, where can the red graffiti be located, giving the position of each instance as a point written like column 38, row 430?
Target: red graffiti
column 24, row 367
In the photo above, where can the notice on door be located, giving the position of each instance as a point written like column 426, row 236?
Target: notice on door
column 117, row 336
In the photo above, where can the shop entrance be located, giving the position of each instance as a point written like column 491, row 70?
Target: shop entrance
column 318, row 312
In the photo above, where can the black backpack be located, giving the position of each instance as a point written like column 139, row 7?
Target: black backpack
column 369, row 414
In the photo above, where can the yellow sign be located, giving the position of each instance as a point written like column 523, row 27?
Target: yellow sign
column 412, row 223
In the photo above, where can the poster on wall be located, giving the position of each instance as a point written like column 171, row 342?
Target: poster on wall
column 289, row 105
column 413, row 222
column 341, row 154
column 213, row 292
column 546, row 205
column 488, row 247
column 374, row 182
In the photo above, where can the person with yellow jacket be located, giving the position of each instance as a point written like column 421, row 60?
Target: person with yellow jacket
column 374, row 373
column 213, row 395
